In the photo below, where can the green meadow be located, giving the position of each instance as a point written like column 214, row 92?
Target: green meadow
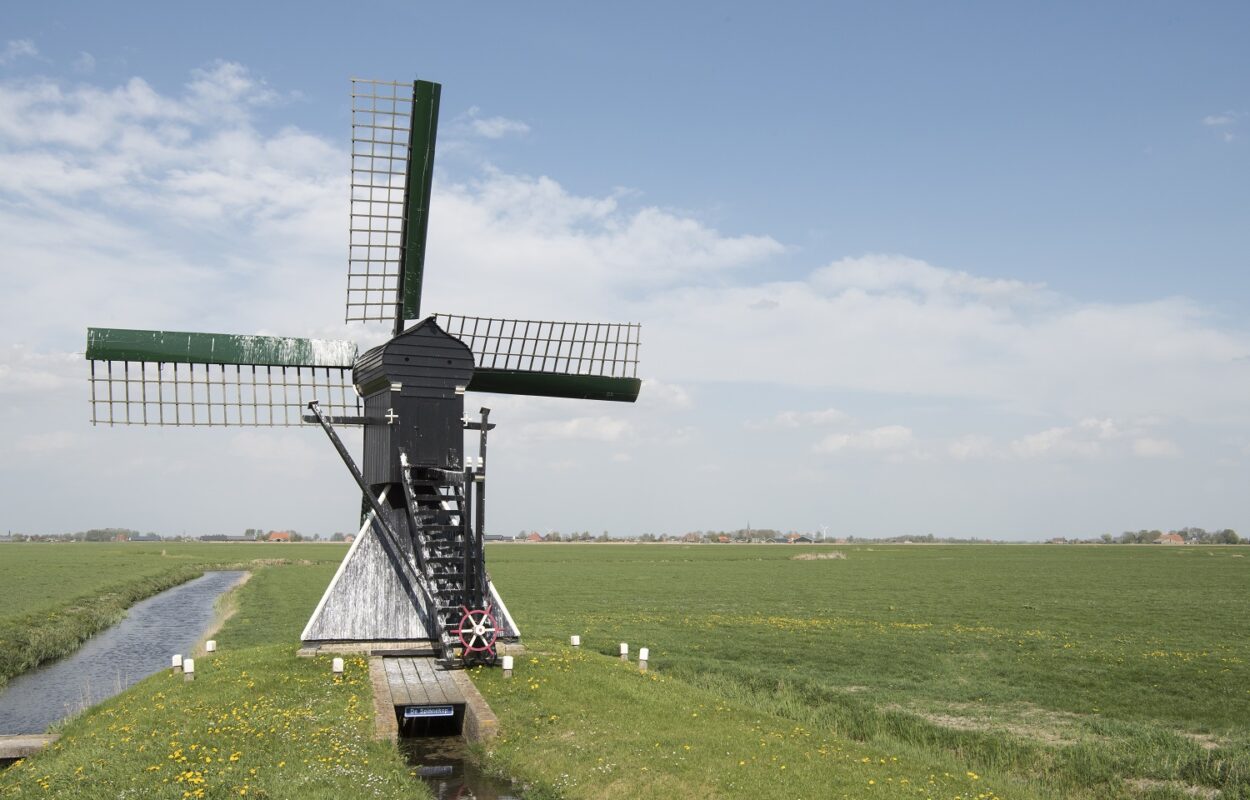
column 1043, row 671
column 897, row 671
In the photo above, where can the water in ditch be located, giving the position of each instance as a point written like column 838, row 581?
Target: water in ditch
column 113, row 660
column 446, row 766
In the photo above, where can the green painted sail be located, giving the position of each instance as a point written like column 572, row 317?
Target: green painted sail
column 554, row 384
column 182, row 347
column 423, row 132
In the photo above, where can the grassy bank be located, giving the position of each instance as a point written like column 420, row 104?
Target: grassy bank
column 28, row 640
column 256, row 722
column 56, row 596
column 583, row 724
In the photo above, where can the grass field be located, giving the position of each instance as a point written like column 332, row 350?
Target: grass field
column 900, row 671
column 1045, row 671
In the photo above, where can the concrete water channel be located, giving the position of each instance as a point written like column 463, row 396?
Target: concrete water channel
column 113, row 660
column 433, row 714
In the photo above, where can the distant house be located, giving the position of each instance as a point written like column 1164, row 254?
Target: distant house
column 690, row 537
column 121, row 537
column 798, row 539
column 145, row 537
column 1058, row 540
column 1170, row 538
column 278, row 536
column 497, row 537
column 349, row 538
column 723, row 539
column 533, row 537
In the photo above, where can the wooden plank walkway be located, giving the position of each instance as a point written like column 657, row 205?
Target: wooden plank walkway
column 419, row 682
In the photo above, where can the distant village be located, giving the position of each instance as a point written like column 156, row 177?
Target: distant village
column 128, row 535
column 742, row 536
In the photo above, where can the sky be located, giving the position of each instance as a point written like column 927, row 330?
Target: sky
column 963, row 269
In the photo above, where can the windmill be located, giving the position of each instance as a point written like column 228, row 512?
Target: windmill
column 417, row 571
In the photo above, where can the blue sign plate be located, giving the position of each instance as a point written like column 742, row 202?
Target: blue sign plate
column 414, row 712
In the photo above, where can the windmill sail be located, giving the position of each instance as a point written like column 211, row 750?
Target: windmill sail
column 583, row 360
column 215, row 379
column 393, row 137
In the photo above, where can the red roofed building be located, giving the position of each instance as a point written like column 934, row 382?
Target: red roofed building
column 1170, row 538
column 278, row 536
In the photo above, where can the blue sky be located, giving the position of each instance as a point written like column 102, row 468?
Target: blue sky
column 968, row 269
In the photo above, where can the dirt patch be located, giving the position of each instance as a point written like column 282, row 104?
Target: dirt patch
column 1204, row 740
column 836, row 554
column 1149, row 784
column 223, row 609
column 1026, row 721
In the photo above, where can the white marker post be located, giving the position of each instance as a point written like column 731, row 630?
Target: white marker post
column 210, row 646
column 507, row 666
column 575, row 640
column 188, row 669
column 643, row 654
column 336, row 667
column 624, row 651
column 175, row 663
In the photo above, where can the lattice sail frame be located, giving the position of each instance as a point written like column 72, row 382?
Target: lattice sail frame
column 394, row 129
column 181, row 378
column 607, row 349
column 216, row 395
column 381, row 123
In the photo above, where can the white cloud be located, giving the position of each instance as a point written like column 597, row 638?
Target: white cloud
column 971, row 448
column 890, row 438
column 658, row 394
column 801, row 419
column 1217, row 120
column 892, row 274
column 84, row 63
column 495, row 127
column 894, row 326
column 18, row 48
column 1056, row 442
column 595, row 429
column 1086, row 439
column 23, row 371
column 1223, row 123
column 551, row 253
column 47, row 442
column 1155, row 448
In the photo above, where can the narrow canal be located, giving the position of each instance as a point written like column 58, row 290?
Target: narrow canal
column 447, row 767
column 112, row 661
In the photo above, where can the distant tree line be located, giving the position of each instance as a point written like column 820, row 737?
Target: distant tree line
column 1190, row 535
column 93, row 535
column 130, row 535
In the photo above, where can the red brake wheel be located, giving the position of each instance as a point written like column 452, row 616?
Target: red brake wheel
column 478, row 631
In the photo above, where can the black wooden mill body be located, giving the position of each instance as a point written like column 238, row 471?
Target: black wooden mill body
column 413, row 392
